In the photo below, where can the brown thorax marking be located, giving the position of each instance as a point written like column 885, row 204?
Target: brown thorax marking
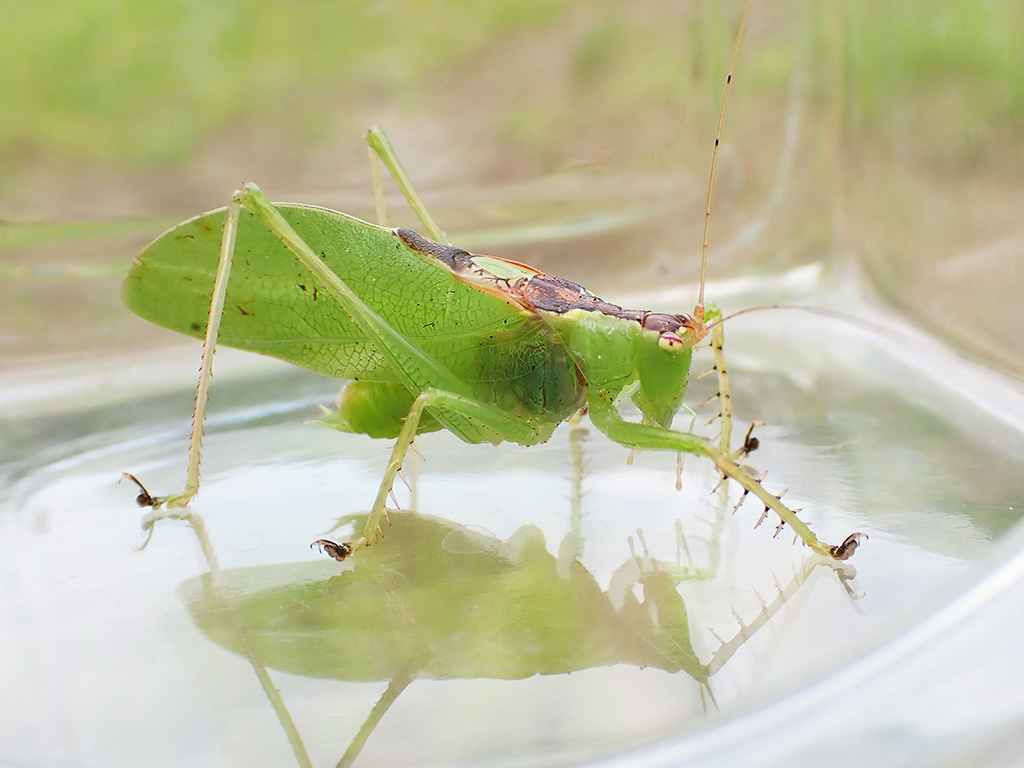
column 545, row 293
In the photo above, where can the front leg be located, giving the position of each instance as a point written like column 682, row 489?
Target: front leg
column 725, row 402
column 632, row 435
column 724, row 393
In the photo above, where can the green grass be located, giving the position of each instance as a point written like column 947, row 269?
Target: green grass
column 941, row 78
column 117, row 79
column 130, row 83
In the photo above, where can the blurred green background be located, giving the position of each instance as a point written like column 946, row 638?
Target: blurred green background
column 879, row 139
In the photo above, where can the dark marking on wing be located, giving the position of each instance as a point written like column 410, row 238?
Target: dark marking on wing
column 455, row 259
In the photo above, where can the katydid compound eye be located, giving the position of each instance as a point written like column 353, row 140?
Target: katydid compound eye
column 670, row 342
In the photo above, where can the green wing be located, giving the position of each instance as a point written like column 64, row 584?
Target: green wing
column 274, row 306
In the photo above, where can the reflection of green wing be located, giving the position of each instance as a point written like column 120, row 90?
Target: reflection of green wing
column 275, row 308
column 414, row 608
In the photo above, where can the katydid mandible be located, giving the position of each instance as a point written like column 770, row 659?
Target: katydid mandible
column 431, row 336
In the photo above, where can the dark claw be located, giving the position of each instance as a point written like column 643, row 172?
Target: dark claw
column 144, row 499
column 845, row 550
column 750, row 443
column 338, row 551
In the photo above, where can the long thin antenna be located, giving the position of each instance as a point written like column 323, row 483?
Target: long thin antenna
column 833, row 314
column 699, row 311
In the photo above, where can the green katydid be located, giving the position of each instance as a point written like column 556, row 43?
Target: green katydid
column 430, row 336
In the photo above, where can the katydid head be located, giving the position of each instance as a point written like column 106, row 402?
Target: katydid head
column 616, row 348
column 672, row 329
column 663, row 353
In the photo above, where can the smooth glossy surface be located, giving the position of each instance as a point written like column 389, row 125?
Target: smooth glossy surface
column 114, row 660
